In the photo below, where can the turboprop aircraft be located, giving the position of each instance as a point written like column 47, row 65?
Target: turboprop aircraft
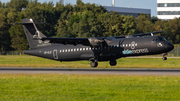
column 93, row 49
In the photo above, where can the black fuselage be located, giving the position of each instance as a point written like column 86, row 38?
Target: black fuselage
column 93, row 49
column 114, row 49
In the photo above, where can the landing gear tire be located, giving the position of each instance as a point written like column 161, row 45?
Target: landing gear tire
column 94, row 64
column 113, row 63
column 164, row 58
column 164, row 54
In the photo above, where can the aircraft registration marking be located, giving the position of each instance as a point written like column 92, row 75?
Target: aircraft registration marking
column 47, row 52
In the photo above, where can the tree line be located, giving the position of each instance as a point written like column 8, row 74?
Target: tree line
column 79, row 20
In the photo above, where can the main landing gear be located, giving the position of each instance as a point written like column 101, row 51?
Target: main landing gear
column 94, row 64
column 113, row 62
column 164, row 56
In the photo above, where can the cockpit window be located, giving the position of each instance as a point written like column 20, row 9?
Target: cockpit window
column 155, row 40
column 159, row 39
column 162, row 39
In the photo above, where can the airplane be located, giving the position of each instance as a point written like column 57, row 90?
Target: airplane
column 93, row 49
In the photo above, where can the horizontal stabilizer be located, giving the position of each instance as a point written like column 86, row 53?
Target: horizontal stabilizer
column 29, row 23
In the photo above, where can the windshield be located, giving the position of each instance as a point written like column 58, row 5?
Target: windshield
column 159, row 39
column 162, row 39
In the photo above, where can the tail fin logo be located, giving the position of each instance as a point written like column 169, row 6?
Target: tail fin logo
column 37, row 36
column 40, row 41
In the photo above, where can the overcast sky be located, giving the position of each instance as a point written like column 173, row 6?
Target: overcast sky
column 147, row 4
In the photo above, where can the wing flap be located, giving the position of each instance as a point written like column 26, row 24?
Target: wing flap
column 65, row 41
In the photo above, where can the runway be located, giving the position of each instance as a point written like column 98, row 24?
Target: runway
column 94, row 71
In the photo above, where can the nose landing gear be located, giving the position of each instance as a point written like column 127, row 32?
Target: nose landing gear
column 164, row 56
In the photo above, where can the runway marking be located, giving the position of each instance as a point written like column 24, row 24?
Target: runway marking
column 96, row 71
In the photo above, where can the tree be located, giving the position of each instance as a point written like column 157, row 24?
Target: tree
column 18, row 5
column 113, row 24
column 19, row 41
column 174, row 25
column 4, row 33
column 144, row 24
column 80, row 20
column 129, row 25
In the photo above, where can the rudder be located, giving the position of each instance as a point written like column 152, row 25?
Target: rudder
column 33, row 35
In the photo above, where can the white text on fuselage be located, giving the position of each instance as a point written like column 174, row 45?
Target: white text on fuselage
column 136, row 51
column 47, row 52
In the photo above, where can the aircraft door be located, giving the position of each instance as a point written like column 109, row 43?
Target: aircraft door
column 120, row 43
column 121, row 46
column 55, row 54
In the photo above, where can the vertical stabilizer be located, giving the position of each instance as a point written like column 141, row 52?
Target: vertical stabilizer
column 33, row 34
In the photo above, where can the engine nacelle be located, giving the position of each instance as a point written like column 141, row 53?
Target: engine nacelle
column 95, row 41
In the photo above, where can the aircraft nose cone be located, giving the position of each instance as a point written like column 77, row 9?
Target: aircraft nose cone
column 170, row 46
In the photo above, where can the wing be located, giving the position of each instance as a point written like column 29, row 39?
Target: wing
column 142, row 34
column 150, row 33
column 65, row 41
column 87, row 41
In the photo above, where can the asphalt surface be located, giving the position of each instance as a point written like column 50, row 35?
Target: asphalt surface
column 96, row 71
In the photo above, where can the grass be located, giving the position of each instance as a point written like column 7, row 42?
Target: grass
column 70, row 87
column 31, row 61
column 61, row 87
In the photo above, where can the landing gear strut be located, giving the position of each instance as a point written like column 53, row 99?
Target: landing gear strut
column 113, row 62
column 164, row 58
column 94, row 64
